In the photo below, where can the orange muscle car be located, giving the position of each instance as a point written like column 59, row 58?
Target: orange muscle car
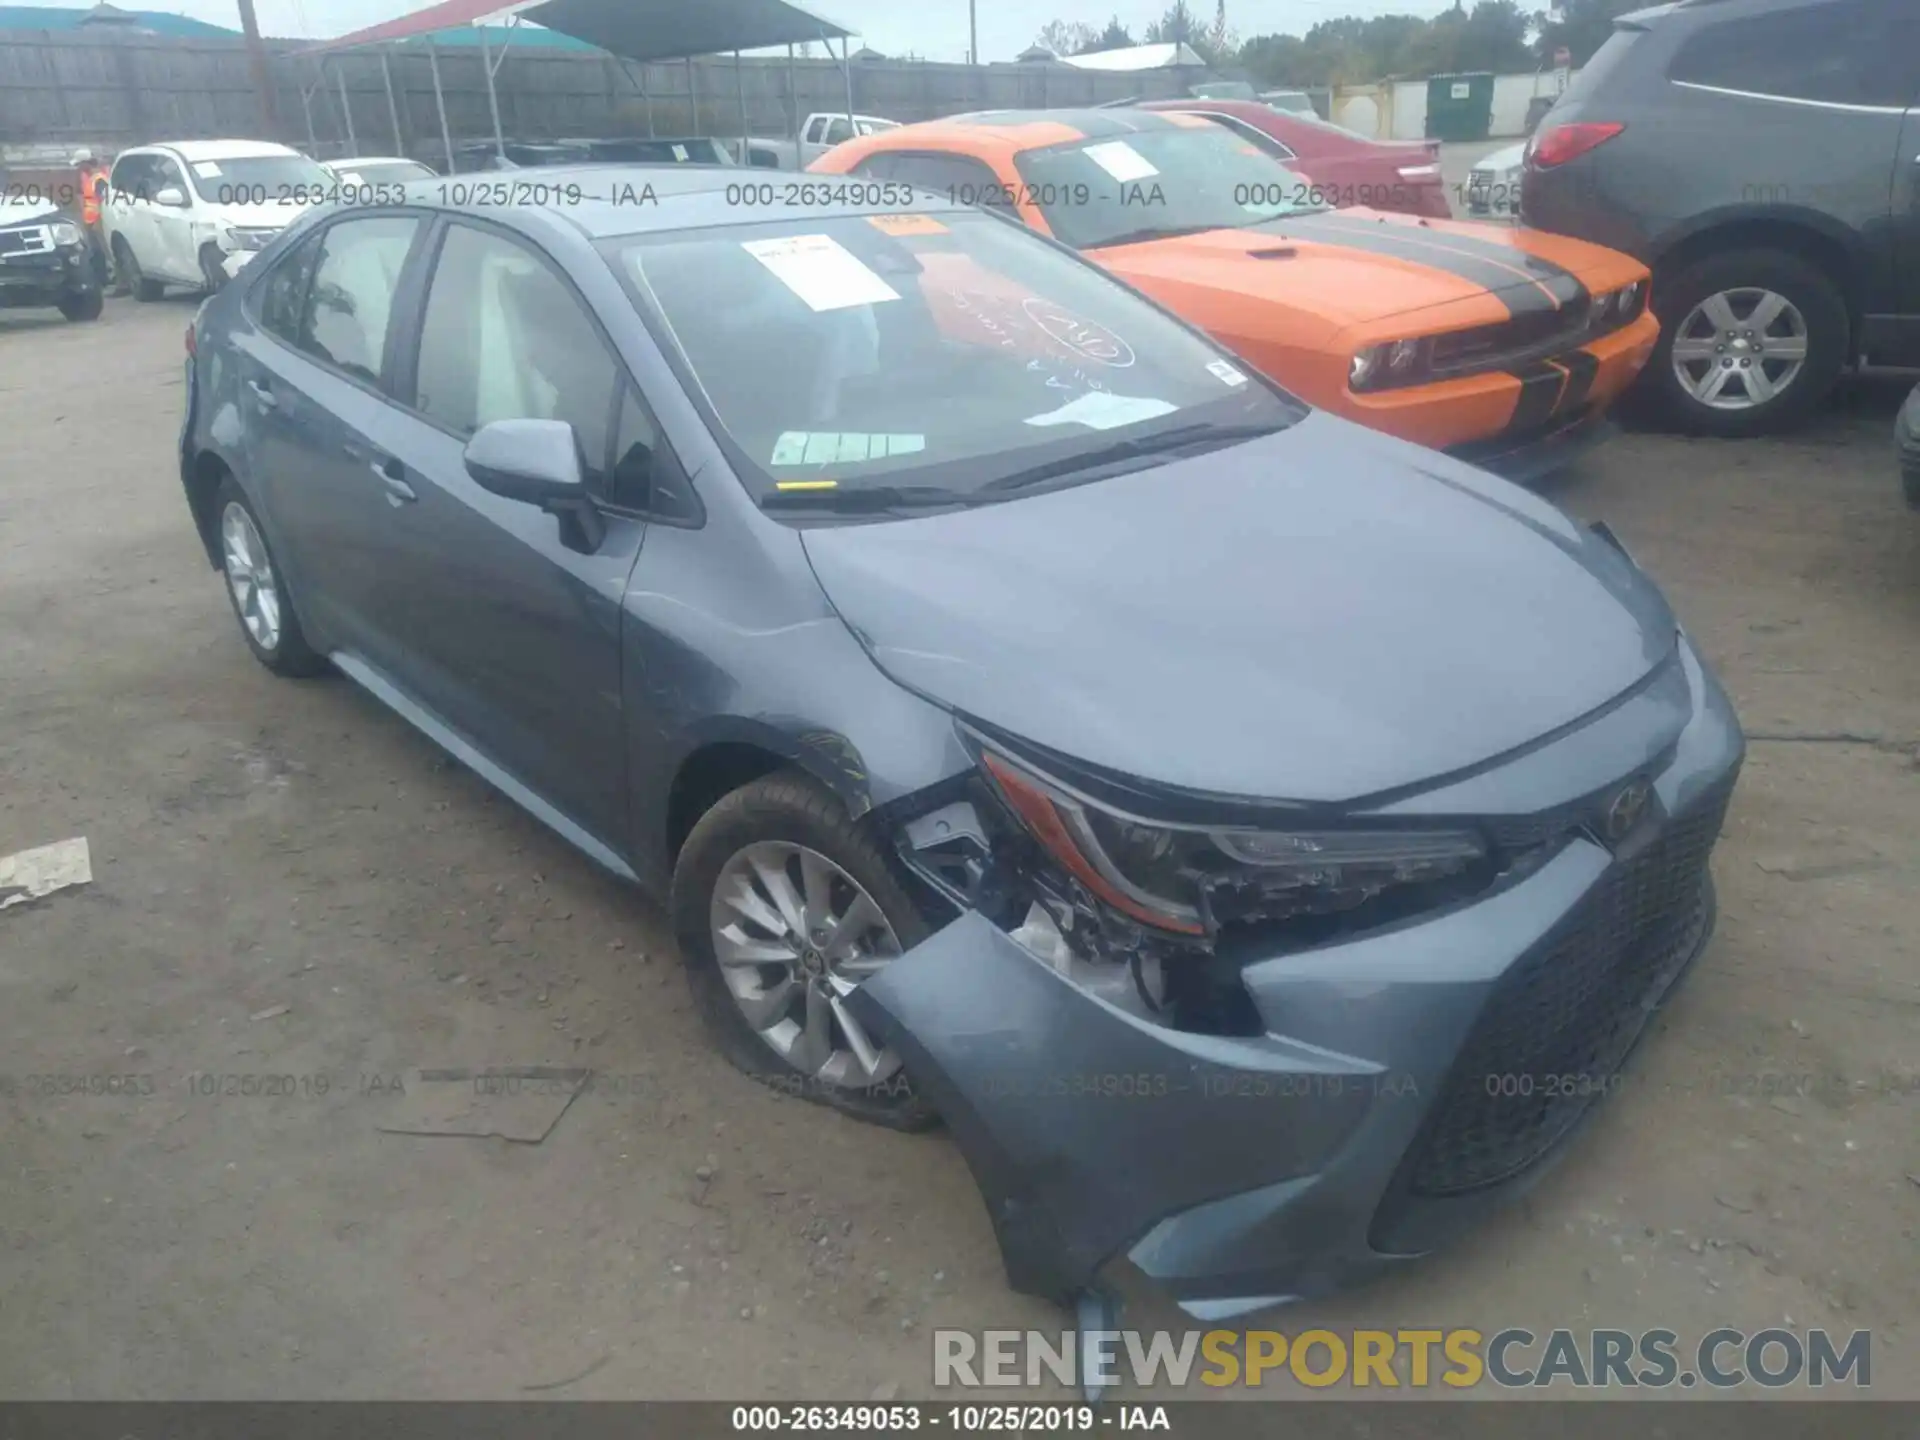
column 1502, row 346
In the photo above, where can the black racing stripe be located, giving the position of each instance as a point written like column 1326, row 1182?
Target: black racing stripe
column 1527, row 284
column 1534, row 267
column 1581, row 369
column 1541, row 385
column 1517, row 295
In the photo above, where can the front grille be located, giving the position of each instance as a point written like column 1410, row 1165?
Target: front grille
column 1558, row 1026
column 33, row 240
column 1524, row 337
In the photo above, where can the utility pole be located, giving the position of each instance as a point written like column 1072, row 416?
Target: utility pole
column 973, row 32
column 262, row 74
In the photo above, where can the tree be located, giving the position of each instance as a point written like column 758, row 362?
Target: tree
column 1216, row 43
column 1351, row 51
column 1583, row 27
column 1177, row 27
column 1114, row 37
column 1066, row 37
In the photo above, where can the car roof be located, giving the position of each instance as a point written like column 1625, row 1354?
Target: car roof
column 218, row 149
column 611, row 200
column 352, row 160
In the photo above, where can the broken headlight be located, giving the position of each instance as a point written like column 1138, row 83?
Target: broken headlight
column 1190, row 879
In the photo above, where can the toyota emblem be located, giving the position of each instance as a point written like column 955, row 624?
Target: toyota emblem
column 1625, row 810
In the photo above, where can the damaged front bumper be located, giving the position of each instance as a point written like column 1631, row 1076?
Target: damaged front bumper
column 1407, row 1079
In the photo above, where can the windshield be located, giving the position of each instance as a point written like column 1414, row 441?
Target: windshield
column 1153, row 183
column 360, row 172
column 921, row 351
column 260, row 179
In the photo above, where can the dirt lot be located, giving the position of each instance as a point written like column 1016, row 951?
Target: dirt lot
column 263, row 846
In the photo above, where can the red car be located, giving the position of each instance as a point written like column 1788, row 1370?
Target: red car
column 1341, row 168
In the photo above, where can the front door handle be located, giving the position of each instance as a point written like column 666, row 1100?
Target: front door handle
column 393, row 476
column 263, row 395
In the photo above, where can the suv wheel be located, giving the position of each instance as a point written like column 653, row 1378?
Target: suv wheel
column 782, row 905
column 83, row 307
column 1750, row 341
column 127, row 265
column 258, row 590
column 1907, row 442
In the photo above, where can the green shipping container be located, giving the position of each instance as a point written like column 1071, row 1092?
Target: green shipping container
column 1460, row 107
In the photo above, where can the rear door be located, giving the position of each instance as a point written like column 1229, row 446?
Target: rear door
column 509, row 635
column 312, row 389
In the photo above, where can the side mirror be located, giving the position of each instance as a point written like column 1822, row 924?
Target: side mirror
column 172, row 196
column 537, row 462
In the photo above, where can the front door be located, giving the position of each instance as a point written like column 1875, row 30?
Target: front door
column 174, row 253
column 510, row 636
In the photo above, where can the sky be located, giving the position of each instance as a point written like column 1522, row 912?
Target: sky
column 931, row 29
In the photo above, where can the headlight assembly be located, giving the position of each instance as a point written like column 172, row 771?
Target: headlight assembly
column 1181, row 878
column 1399, row 362
column 65, row 232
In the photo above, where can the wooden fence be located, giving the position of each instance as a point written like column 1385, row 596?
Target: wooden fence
column 110, row 91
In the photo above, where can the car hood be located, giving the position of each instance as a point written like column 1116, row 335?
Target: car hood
column 22, row 210
column 1324, row 614
column 1355, row 266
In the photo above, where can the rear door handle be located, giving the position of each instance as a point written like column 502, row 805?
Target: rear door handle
column 263, row 394
column 393, row 475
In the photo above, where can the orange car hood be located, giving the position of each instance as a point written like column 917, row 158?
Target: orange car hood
column 1354, row 266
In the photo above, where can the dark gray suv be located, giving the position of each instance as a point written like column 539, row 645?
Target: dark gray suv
column 1763, row 157
column 1261, row 839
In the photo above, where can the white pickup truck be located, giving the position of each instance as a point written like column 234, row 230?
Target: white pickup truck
column 824, row 130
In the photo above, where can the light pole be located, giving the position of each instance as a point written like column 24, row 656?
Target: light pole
column 973, row 32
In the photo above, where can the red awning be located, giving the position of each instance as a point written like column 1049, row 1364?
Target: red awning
column 632, row 29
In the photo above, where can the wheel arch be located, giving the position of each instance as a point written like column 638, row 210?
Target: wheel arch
column 736, row 751
column 1806, row 234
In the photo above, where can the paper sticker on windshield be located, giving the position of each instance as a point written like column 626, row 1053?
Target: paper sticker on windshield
column 1120, row 160
column 1098, row 410
column 906, row 225
column 680, row 152
column 207, row 170
column 1226, row 374
column 821, row 271
column 351, row 177
column 806, row 447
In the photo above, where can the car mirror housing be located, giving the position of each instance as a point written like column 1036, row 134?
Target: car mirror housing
column 537, row 462
column 172, row 196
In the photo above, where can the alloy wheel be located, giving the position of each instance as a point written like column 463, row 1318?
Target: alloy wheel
column 256, row 592
column 795, row 934
column 1738, row 349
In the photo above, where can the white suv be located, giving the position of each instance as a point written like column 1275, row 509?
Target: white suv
column 193, row 212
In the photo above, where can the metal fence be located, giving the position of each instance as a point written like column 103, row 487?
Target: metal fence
column 109, row 91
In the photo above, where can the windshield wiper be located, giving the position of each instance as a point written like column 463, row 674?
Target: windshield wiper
column 1180, row 437
column 863, row 499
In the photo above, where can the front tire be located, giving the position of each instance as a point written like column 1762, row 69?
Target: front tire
column 257, row 590
column 127, row 264
column 782, row 904
column 1750, row 342
column 89, row 306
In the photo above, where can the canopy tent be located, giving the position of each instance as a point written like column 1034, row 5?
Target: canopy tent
column 631, row 30
column 1136, row 57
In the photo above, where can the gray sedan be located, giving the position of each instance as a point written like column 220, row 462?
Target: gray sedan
column 1260, row 839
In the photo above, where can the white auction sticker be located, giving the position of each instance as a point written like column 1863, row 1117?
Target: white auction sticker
column 1100, row 410
column 1225, row 373
column 207, row 170
column 1120, row 160
column 821, row 271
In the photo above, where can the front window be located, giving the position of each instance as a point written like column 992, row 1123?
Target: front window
column 953, row 352
column 260, row 179
column 1156, row 183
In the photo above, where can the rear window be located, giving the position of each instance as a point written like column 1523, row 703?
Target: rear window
column 1857, row 52
column 1596, row 72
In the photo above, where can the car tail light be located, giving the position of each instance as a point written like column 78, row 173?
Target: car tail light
column 1569, row 142
column 193, row 339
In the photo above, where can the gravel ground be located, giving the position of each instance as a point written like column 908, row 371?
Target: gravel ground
column 287, row 881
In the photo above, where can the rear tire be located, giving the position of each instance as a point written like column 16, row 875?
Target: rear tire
column 127, row 264
column 260, row 600
column 1737, row 280
column 788, row 809
column 83, row 307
